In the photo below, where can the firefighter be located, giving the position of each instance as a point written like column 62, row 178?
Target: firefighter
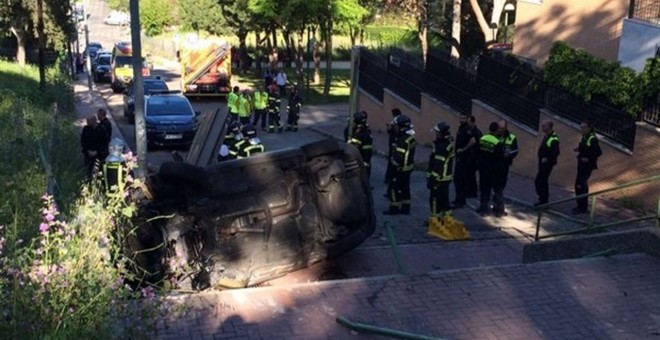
column 228, row 149
column 587, row 154
column 391, row 135
column 491, row 168
column 232, row 101
column 439, row 175
column 361, row 138
column 114, row 171
column 250, row 144
column 274, row 103
column 402, row 162
column 548, row 153
column 510, row 149
column 244, row 107
column 260, row 107
column 293, row 108
column 467, row 150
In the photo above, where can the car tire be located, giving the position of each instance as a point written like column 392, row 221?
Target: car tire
column 319, row 148
column 184, row 173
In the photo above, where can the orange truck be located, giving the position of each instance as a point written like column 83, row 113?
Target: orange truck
column 205, row 67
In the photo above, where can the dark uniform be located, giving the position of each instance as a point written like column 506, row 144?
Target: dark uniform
column 491, row 169
column 465, row 180
column 403, row 163
column 250, row 144
column 228, row 150
column 107, row 128
column 439, row 175
column 391, row 135
column 548, row 150
column 361, row 138
column 588, row 153
column 274, row 103
column 510, row 152
column 293, row 109
column 93, row 140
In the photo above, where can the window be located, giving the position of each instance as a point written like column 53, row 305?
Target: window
column 168, row 106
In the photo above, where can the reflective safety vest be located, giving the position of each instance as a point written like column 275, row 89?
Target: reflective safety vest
column 441, row 162
column 247, row 149
column 488, row 143
column 590, row 138
column 243, row 106
column 113, row 178
column 552, row 138
column 232, row 99
column 260, row 100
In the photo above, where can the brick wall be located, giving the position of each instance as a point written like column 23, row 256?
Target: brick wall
column 617, row 165
column 592, row 25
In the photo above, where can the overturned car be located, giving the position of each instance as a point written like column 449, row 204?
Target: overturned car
column 243, row 222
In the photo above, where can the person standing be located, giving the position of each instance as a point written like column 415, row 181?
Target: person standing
column 403, row 163
column 92, row 140
column 491, row 168
column 244, row 107
column 232, row 103
column 280, row 80
column 510, row 149
column 228, row 149
column 274, row 104
column 268, row 77
column 439, row 175
column 293, row 109
column 467, row 150
column 391, row 136
column 362, row 140
column 104, row 122
column 587, row 154
column 548, row 153
column 260, row 107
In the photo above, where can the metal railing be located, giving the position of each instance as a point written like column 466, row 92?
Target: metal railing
column 373, row 74
column 593, row 197
column 615, row 124
column 647, row 10
column 406, row 79
column 651, row 112
column 512, row 104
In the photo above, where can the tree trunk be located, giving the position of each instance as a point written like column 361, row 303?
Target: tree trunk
column 21, row 56
column 242, row 51
column 456, row 29
column 483, row 24
column 42, row 45
column 317, row 62
column 257, row 52
column 353, row 32
column 328, row 59
column 290, row 47
column 423, row 28
column 361, row 35
column 300, row 56
column 273, row 55
column 423, row 39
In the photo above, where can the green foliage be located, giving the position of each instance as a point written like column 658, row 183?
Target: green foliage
column 119, row 5
column 155, row 15
column 391, row 35
column 201, row 15
column 589, row 77
column 649, row 79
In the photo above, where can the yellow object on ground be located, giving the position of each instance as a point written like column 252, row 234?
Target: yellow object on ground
column 447, row 228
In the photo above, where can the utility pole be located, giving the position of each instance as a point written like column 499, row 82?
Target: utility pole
column 138, row 87
column 89, row 60
column 42, row 45
column 355, row 76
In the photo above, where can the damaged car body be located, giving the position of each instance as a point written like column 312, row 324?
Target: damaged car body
column 243, row 222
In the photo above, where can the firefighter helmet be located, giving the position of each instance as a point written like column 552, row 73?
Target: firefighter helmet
column 360, row 118
column 249, row 131
column 442, row 128
column 403, row 122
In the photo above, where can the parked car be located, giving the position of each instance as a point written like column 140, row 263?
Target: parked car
column 102, row 68
column 91, row 50
column 151, row 84
column 117, row 19
column 170, row 119
column 99, row 54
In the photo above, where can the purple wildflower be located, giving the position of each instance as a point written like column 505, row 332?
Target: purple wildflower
column 43, row 228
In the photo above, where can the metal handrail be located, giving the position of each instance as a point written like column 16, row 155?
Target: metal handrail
column 590, row 224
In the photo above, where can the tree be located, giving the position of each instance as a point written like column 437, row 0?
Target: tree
column 119, row 5
column 16, row 15
column 239, row 17
column 202, row 15
column 154, row 16
column 420, row 10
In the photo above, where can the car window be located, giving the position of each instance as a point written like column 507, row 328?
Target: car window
column 154, row 85
column 168, row 106
column 95, row 45
column 124, row 60
column 104, row 61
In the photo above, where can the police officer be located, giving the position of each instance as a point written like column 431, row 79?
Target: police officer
column 491, row 169
column 274, row 103
column 244, row 107
column 510, row 149
column 587, row 154
column 548, row 153
column 361, row 138
column 232, row 103
column 467, row 150
column 439, row 175
column 402, row 162
column 293, row 108
column 228, row 149
column 391, row 135
column 250, row 144
column 260, row 107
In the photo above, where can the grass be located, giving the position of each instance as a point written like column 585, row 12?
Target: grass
column 339, row 88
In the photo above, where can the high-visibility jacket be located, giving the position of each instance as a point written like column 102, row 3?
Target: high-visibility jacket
column 232, row 99
column 549, row 148
column 260, row 100
column 589, row 148
column 243, row 106
column 113, row 178
column 403, row 151
column 364, row 143
column 510, row 146
column 441, row 161
column 491, row 156
column 247, row 148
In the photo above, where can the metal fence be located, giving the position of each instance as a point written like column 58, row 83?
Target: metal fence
column 651, row 112
column 449, row 83
column 516, row 106
column 373, row 74
column 615, row 124
column 406, row 77
column 647, row 10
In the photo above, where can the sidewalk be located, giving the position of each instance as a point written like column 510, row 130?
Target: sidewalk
column 520, row 189
column 601, row 298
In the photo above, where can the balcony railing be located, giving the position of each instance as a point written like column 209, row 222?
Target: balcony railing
column 646, row 10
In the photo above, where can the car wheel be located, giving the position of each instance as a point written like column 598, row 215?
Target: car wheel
column 322, row 147
column 184, row 173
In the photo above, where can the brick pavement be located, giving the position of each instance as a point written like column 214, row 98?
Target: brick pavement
column 616, row 297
